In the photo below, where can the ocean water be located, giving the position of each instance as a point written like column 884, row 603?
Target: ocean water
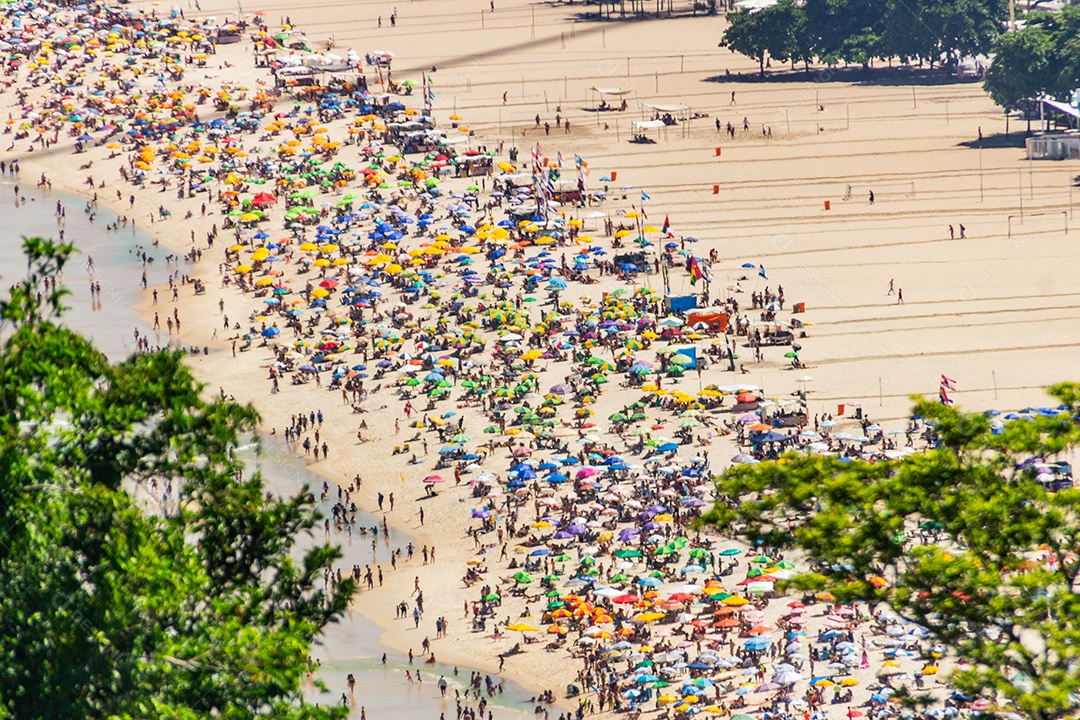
column 111, row 321
column 350, row 646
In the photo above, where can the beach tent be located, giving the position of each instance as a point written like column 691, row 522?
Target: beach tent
column 609, row 96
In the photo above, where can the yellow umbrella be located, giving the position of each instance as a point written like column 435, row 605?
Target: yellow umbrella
column 243, row 269
column 521, row 627
column 320, row 293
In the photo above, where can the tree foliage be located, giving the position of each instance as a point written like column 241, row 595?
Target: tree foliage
column 1042, row 58
column 972, row 547
column 859, row 31
column 109, row 609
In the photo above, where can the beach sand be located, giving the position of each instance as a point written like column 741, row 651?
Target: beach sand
column 995, row 313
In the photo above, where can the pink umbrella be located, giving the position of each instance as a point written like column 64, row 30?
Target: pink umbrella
column 433, row 479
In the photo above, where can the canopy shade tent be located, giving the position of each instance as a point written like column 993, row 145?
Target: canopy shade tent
column 648, row 124
column 619, row 92
column 1061, row 107
column 677, row 108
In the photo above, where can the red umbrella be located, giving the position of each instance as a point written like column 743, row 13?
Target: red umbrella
column 329, row 283
column 263, row 199
column 433, row 479
column 625, row 599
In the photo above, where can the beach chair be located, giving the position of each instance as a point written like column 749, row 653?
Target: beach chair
column 247, row 343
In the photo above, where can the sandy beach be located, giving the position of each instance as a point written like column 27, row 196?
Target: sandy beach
column 785, row 202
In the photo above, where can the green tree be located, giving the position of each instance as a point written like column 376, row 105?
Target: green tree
column 847, row 31
column 960, row 534
column 1042, row 58
column 768, row 32
column 1022, row 66
column 109, row 608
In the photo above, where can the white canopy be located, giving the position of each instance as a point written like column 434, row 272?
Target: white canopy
column 648, row 124
column 1061, row 107
column 612, row 91
column 668, row 108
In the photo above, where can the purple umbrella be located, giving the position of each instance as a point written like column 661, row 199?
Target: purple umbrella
column 628, row 534
column 651, row 526
column 577, row 530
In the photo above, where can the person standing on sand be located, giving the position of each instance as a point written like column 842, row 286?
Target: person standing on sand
column 871, row 197
column 900, row 296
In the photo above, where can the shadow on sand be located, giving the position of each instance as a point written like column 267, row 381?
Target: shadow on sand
column 870, row 77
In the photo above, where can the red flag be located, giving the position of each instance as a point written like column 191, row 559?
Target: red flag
column 667, row 225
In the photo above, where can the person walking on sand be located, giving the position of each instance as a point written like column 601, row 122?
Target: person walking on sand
column 891, row 291
column 900, row 296
column 963, row 232
column 871, row 197
column 732, row 98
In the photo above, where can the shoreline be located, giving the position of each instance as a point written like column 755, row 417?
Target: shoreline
column 758, row 204
column 377, row 612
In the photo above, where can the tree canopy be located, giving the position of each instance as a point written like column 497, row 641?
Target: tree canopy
column 968, row 542
column 858, row 31
column 110, row 608
column 1042, row 58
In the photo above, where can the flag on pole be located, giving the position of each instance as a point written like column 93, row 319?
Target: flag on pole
column 947, row 382
column 761, row 272
column 645, row 197
column 698, row 271
column 667, row 226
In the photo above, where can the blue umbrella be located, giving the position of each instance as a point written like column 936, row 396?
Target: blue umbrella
column 271, row 332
